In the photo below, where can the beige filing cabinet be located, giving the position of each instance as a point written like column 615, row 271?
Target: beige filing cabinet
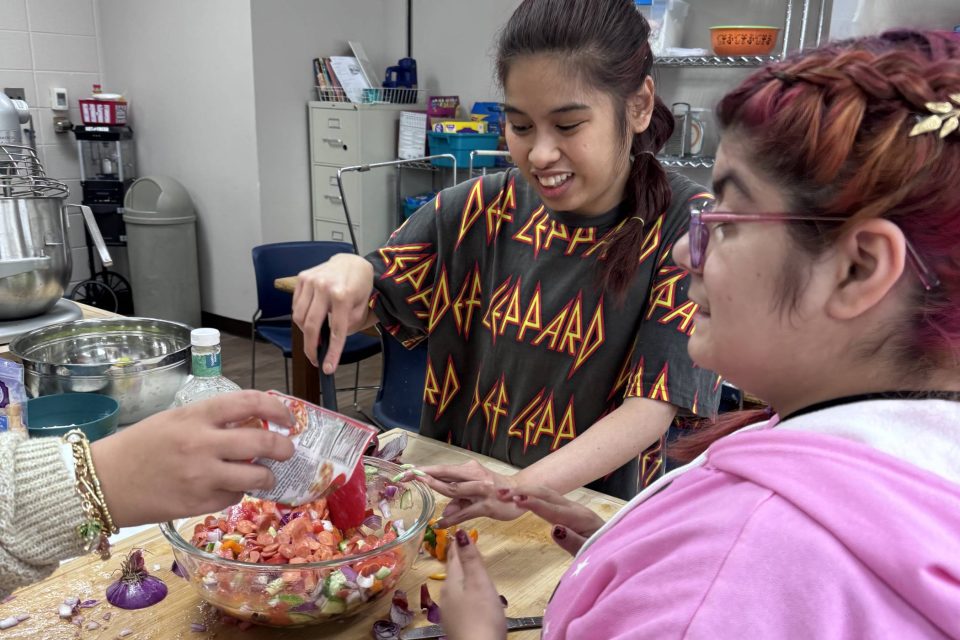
column 344, row 134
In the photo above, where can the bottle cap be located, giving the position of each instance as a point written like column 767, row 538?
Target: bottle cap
column 205, row 337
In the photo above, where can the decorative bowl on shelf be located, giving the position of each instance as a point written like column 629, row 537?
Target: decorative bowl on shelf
column 743, row 41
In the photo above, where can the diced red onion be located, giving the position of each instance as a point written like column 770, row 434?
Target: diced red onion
column 178, row 570
column 12, row 621
column 214, row 536
column 390, row 492
column 400, row 609
column 65, row 611
column 22, row 616
column 373, row 522
column 106, row 616
column 392, row 451
column 77, row 620
column 427, row 604
column 87, row 604
column 92, row 625
column 384, row 508
column 349, row 573
column 365, row 582
column 386, row 630
column 7, row 599
column 124, row 633
column 305, row 607
column 196, row 627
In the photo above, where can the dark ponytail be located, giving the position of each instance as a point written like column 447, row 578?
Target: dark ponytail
column 605, row 43
column 647, row 195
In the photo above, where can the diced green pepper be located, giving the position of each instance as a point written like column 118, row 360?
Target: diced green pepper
column 333, row 606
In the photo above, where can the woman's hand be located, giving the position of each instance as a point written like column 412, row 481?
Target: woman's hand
column 191, row 460
column 572, row 522
column 338, row 292
column 471, row 608
column 473, row 492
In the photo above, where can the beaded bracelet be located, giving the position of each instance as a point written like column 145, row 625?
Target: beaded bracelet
column 98, row 526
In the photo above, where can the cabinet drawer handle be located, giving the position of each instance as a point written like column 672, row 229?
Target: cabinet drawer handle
column 334, row 142
column 333, row 198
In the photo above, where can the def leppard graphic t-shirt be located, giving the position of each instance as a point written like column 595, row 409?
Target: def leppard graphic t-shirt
column 525, row 350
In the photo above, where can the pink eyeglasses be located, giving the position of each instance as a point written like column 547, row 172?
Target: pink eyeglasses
column 703, row 213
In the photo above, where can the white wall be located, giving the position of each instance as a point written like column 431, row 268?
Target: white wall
column 860, row 17
column 454, row 43
column 44, row 44
column 187, row 69
column 287, row 36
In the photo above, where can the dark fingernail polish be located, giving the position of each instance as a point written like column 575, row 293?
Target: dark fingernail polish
column 462, row 538
column 559, row 532
column 503, row 492
column 521, row 498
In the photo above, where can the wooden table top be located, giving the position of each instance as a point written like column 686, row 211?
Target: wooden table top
column 525, row 564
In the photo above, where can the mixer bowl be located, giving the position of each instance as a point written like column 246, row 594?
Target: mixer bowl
column 139, row 362
column 33, row 228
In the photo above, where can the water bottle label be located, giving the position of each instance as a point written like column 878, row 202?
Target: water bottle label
column 207, row 365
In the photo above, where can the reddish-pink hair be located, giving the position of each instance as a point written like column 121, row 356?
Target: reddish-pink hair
column 830, row 127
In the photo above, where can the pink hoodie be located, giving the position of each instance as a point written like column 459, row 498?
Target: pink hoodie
column 842, row 523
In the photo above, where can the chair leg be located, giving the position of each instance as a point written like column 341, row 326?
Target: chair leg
column 253, row 357
column 286, row 376
column 356, row 387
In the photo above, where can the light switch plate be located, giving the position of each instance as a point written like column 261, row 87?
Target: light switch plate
column 58, row 99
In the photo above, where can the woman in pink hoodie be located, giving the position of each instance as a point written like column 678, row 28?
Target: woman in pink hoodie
column 828, row 281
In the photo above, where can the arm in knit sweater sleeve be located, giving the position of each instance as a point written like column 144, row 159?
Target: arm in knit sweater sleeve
column 39, row 510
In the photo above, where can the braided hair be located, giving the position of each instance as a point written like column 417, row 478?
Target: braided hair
column 830, row 127
column 845, row 112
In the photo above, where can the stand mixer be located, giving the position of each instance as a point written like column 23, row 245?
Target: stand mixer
column 35, row 258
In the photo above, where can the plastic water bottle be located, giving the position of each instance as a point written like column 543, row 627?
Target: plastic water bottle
column 207, row 378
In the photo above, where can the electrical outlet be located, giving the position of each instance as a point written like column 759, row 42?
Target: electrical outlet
column 15, row 93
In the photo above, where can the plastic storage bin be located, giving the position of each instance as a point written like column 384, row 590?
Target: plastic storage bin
column 460, row 145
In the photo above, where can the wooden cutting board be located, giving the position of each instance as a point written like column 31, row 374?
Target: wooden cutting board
column 521, row 558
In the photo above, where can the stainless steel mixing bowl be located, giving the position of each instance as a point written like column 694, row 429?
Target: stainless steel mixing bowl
column 140, row 362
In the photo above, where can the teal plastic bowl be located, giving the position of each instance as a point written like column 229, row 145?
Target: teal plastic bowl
column 54, row 415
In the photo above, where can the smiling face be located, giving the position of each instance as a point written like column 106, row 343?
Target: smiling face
column 566, row 139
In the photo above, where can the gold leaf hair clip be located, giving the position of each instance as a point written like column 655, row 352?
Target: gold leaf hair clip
column 945, row 117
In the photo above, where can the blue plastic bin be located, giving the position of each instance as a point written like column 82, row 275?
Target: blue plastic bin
column 460, row 145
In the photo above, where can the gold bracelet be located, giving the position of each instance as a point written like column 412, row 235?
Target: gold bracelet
column 102, row 502
column 95, row 530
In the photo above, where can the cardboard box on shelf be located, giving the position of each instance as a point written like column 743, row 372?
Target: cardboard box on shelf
column 458, row 126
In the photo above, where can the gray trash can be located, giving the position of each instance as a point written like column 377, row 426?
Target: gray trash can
column 162, row 245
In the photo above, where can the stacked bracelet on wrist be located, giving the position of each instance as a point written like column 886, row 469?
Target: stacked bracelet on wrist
column 98, row 525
